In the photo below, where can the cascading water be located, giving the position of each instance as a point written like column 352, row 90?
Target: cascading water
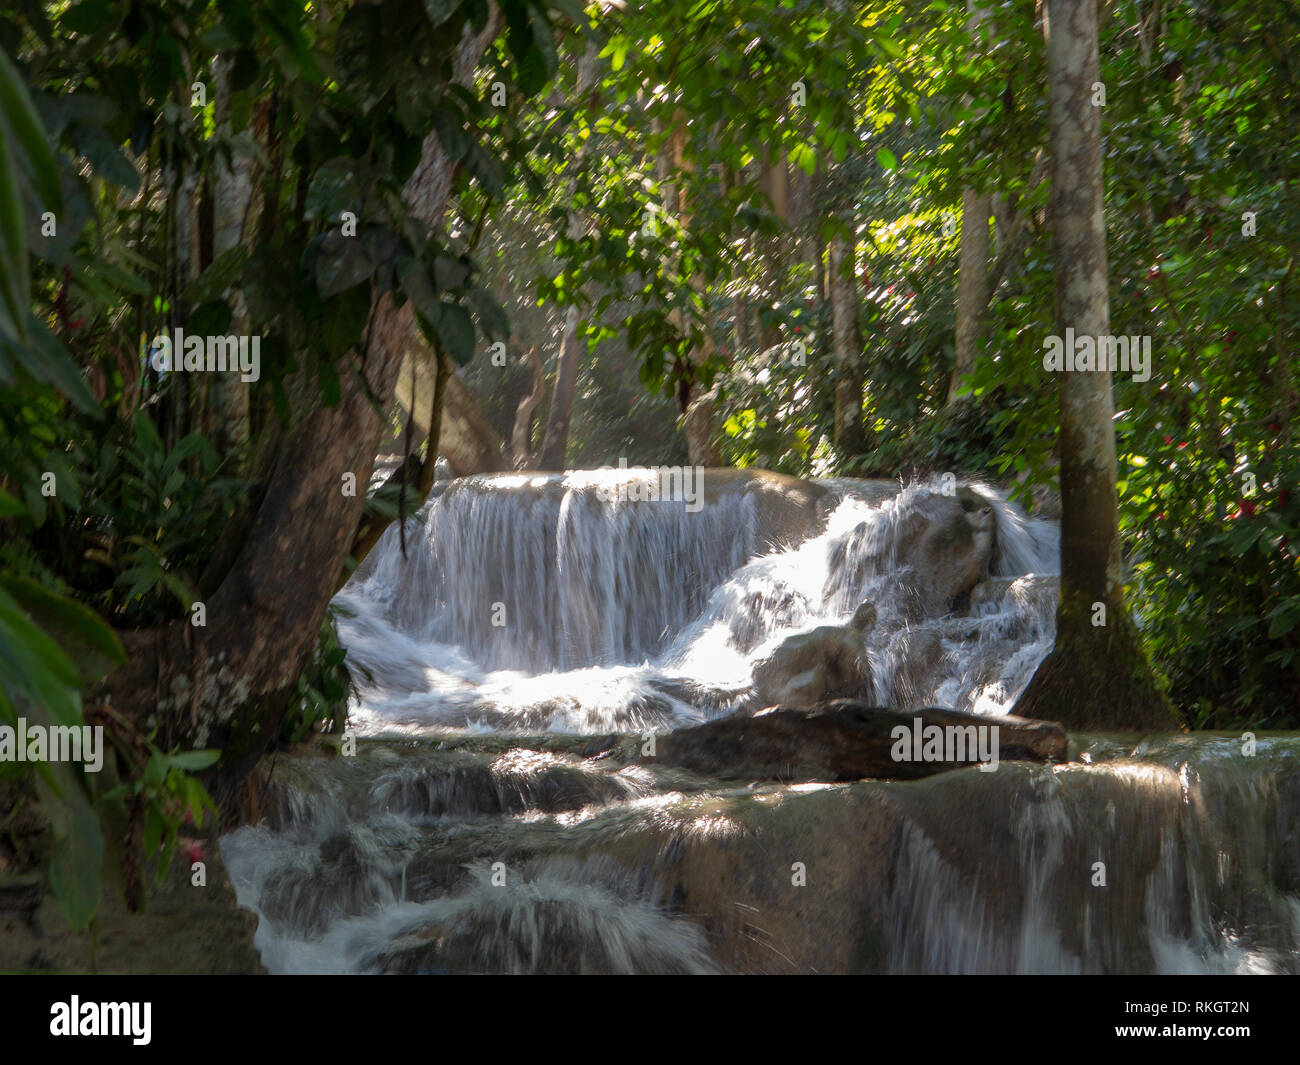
column 481, row 827
column 545, row 602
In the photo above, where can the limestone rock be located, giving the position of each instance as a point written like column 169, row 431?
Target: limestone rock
column 830, row 662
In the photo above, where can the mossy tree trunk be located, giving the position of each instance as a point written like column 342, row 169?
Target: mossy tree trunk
column 230, row 682
column 1097, row 675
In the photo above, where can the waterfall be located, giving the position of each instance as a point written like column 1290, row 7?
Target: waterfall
column 504, row 811
column 1174, row 856
column 553, row 602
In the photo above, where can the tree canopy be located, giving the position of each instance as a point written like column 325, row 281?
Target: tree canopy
column 424, row 211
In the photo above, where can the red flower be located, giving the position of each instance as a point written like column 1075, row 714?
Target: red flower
column 193, row 850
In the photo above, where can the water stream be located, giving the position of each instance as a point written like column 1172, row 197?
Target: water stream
column 502, row 813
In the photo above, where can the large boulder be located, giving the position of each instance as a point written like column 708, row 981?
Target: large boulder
column 849, row 740
column 808, row 668
column 952, row 549
column 930, row 547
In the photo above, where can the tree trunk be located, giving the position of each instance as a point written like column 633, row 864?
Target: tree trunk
column 230, row 683
column 229, row 423
column 1097, row 675
column 972, row 285
column 556, row 441
column 700, row 416
column 521, row 436
column 467, row 440
column 413, row 477
column 846, row 346
column 972, row 267
column 773, row 176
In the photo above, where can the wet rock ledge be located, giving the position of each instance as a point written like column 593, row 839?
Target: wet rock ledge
column 846, row 740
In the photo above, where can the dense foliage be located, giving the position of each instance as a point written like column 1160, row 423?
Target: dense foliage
column 679, row 172
column 123, row 487
column 905, row 107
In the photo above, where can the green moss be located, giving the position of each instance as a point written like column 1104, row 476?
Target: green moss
column 1097, row 677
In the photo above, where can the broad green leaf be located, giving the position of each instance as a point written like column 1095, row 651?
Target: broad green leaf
column 35, row 673
column 193, row 761
column 78, row 630
column 29, row 134
column 77, row 856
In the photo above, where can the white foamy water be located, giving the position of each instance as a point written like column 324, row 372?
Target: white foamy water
column 481, row 849
column 545, row 602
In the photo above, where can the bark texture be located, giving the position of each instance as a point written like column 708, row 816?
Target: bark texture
column 230, row 683
column 521, row 434
column 555, row 441
column 972, row 267
column 1097, row 675
column 846, row 346
column 972, row 285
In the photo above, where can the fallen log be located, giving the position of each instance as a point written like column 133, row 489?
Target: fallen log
column 849, row 740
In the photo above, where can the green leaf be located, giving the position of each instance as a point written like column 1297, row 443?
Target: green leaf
column 155, row 772
column 105, row 157
column 449, row 272
column 456, row 332
column 492, row 317
column 886, row 159
column 414, row 278
column 802, row 156
column 21, row 118
column 1284, row 618
column 185, row 447
column 35, row 673
column 222, row 273
column 89, row 17
column 77, row 856
column 14, row 278
column 439, row 11
column 48, row 361
column 344, row 321
column 193, row 761
column 448, row 124
column 153, row 832
column 342, row 263
column 333, row 187
column 485, row 169
column 78, row 630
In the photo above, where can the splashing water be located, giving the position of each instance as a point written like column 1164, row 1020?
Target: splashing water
column 474, row 832
column 545, row 602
